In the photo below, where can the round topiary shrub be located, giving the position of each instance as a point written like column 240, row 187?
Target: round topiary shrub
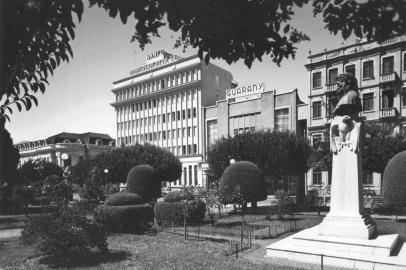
column 242, row 181
column 142, row 180
column 123, row 198
column 394, row 182
column 178, row 196
column 124, row 219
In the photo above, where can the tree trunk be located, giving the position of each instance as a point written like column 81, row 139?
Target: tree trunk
column 254, row 205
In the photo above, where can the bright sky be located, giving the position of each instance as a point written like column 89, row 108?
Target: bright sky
column 78, row 97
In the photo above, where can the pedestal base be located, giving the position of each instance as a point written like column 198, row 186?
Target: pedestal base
column 360, row 227
column 308, row 246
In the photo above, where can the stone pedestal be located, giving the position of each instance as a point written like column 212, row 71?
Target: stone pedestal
column 347, row 217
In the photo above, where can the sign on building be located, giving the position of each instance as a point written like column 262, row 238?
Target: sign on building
column 245, row 90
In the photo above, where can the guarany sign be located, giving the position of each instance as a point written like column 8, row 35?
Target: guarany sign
column 245, row 90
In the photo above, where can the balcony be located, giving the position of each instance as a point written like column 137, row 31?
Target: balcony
column 389, row 77
column 388, row 112
column 332, row 87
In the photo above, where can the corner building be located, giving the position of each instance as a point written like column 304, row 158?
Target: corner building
column 380, row 68
column 162, row 102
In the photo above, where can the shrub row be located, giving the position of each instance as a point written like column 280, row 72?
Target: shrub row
column 167, row 212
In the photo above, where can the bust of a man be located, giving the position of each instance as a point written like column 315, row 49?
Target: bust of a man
column 345, row 126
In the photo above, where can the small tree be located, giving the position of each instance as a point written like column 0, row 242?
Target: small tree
column 242, row 181
column 394, row 183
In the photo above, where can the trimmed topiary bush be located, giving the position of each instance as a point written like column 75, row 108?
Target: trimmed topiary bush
column 167, row 212
column 178, row 196
column 394, row 182
column 142, row 180
column 242, row 182
column 123, row 198
column 125, row 218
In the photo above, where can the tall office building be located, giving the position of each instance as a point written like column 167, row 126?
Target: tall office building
column 380, row 68
column 162, row 103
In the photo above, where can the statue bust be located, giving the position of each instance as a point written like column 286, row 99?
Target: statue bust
column 346, row 125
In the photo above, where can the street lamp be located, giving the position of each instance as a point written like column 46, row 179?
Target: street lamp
column 64, row 157
column 106, row 171
column 232, row 161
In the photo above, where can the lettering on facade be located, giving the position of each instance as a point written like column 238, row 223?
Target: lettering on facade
column 156, row 59
column 245, row 90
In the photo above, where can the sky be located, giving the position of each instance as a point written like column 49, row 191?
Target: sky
column 79, row 95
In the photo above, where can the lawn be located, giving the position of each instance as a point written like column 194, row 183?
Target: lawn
column 161, row 251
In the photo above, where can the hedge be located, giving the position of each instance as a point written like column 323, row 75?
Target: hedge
column 123, row 198
column 178, row 196
column 124, row 219
column 168, row 212
column 394, row 182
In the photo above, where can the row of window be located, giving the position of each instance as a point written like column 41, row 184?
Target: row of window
column 166, row 134
column 158, row 84
column 158, row 102
column 317, row 178
column 367, row 71
column 151, row 120
column 368, row 102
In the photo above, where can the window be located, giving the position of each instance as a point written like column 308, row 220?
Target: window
column 404, row 97
column 368, row 102
column 194, row 148
column 178, row 115
column 332, row 102
column 368, row 178
column 163, row 118
column 387, row 99
column 184, row 176
column 368, row 69
column 387, row 65
column 316, row 140
column 189, row 114
column 183, row 114
column 350, row 69
column 316, row 109
column 282, row 119
column 189, row 132
column 162, row 84
column 195, row 173
column 212, row 131
column 404, row 62
column 164, row 134
column 189, row 149
column 190, row 175
column 332, row 75
column 183, row 149
column 317, row 79
column 317, row 177
column 194, row 112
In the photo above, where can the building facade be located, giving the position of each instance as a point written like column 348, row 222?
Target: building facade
column 65, row 149
column 254, row 107
column 162, row 103
column 380, row 68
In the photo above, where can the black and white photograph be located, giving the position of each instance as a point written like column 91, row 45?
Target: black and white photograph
column 203, row 134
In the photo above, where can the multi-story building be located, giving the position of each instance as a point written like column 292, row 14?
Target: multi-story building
column 162, row 103
column 253, row 107
column 380, row 68
column 65, row 148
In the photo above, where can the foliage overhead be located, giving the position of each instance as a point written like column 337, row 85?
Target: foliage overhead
column 276, row 153
column 394, row 184
column 38, row 32
column 119, row 162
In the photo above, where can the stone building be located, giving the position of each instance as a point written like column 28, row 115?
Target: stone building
column 162, row 103
column 65, row 148
column 255, row 107
column 380, row 68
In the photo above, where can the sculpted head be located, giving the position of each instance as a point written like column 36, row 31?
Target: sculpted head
column 346, row 82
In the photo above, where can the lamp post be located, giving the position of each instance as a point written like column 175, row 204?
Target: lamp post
column 106, row 171
column 64, row 157
column 232, row 161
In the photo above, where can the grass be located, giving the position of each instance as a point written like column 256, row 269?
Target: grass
column 161, row 251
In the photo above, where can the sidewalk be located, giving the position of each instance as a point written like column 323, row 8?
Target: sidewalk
column 10, row 233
